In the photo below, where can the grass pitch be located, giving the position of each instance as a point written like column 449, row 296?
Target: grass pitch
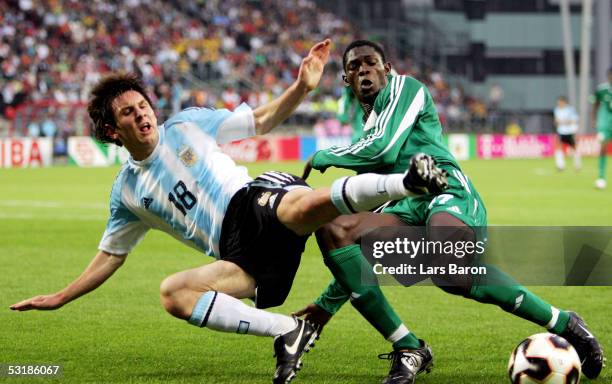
column 51, row 221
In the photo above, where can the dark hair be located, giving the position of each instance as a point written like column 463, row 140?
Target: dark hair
column 562, row 97
column 360, row 43
column 100, row 106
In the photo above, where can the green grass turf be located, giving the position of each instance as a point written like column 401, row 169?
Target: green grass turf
column 51, row 221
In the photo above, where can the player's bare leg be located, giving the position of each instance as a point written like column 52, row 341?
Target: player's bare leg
column 180, row 292
column 573, row 151
column 559, row 154
column 208, row 296
column 303, row 211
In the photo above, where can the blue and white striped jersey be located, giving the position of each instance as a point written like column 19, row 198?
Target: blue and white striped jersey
column 184, row 187
column 566, row 119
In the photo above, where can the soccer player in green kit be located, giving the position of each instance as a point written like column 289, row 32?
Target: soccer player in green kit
column 400, row 119
column 602, row 118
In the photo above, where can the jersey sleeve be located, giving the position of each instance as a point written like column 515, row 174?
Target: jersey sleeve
column 225, row 126
column 124, row 230
column 382, row 144
column 238, row 125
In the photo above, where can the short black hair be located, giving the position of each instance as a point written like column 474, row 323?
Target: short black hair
column 100, row 106
column 562, row 97
column 360, row 43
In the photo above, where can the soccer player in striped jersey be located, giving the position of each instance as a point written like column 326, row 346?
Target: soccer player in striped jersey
column 566, row 122
column 401, row 120
column 178, row 181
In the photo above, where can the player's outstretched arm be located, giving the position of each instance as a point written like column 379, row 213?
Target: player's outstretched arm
column 101, row 268
column 276, row 111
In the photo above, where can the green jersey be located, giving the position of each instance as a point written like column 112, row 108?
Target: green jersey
column 603, row 95
column 403, row 122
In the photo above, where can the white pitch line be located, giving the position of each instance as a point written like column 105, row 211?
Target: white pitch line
column 51, row 204
column 542, row 171
column 31, row 216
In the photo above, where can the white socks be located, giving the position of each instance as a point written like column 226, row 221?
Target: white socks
column 577, row 160
column 398, row 334
column 559, row 159
column 364, row 192
column 221, row 312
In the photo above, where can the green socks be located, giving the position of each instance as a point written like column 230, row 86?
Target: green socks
column 500, row 289
column 355, row 274
column 602, row 166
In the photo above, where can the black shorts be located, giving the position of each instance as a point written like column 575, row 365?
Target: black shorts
column 253, row 238
column 568, row 139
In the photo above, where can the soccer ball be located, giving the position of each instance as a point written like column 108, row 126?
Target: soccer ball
column 544, row 358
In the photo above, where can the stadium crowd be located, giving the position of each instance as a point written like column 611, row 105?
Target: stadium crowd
column 197, row 53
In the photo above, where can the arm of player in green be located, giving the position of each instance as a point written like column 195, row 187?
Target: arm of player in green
column 396, row 109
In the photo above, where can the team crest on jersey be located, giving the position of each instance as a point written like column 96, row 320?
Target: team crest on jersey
column 187, row 156
column 263, row 199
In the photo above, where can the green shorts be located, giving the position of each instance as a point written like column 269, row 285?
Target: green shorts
column 460, row 200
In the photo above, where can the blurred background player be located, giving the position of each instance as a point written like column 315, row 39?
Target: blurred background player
column 602, row 118
column 566, row 122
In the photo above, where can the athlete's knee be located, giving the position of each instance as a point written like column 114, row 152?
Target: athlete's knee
column 176, row 297
column 168, row 289
column 334, row 235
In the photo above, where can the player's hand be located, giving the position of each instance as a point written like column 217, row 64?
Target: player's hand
column 424, row 176
column 307, row 168
column 314, row 315
column 43, row 303
column 311, row 68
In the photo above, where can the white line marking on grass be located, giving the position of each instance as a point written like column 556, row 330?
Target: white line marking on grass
column 31, row 216
column 542, row 171
column 51, row 204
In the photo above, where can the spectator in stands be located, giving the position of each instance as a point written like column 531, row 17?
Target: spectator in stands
column 57, row 50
